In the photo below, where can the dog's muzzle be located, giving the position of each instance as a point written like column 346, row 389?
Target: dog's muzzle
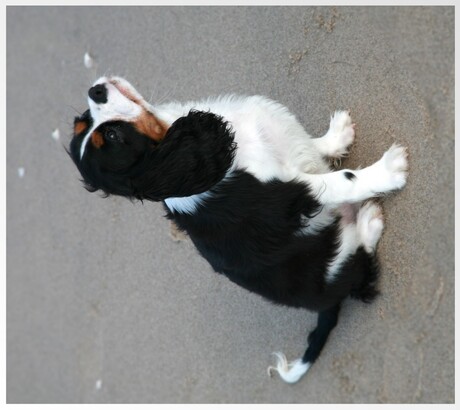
column 98, row 93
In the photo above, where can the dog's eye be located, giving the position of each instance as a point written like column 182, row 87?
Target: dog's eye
column 111, row 135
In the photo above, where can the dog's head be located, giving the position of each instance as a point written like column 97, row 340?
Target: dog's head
column 113, row 136
column 122, row 148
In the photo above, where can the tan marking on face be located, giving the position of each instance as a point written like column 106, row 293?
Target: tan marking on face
column 79, row 127
column 97, row 139
column 151, row 126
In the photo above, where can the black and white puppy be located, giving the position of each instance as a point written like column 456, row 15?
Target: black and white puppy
column 253, row 191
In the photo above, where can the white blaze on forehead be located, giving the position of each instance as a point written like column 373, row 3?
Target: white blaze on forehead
column 118, row 105
column 85, row 141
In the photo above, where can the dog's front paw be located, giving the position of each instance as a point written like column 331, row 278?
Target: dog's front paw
column 341, row 133
column 394, row 165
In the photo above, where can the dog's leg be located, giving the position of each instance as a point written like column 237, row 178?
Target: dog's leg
column 386, row 175
column 340, row 136
column 360, row 226
column 370, row 226
column 291, row 372
column 349, row 243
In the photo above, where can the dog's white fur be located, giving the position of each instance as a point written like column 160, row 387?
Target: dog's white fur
column 273, row 144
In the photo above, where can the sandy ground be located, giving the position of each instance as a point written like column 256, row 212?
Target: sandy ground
column 103, row 306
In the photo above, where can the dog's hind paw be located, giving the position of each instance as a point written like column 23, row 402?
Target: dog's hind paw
column 370, row 225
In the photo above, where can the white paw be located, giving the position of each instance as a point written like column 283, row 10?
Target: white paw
column 341, row 133
column 370, row 225
column 394, row 164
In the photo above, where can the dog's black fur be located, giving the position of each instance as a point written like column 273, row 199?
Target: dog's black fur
column 245, row 228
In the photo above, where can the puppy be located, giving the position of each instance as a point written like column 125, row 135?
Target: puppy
column 253, row 191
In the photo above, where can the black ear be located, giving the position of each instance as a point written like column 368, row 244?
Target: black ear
column 197, row 151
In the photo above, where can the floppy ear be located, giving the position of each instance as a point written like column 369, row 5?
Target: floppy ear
column 194, row 155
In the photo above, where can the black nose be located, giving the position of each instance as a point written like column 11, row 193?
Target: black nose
column 98, row 94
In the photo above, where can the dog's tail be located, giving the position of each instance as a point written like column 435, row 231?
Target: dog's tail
column 291, row 372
